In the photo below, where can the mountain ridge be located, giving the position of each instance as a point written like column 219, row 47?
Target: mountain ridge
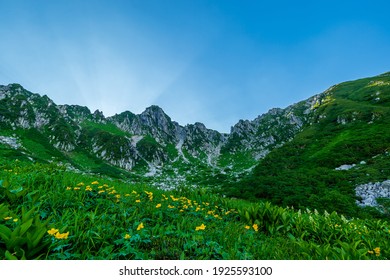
column 283, row 151
column 127, row 140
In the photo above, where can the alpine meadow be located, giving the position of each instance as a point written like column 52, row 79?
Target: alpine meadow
column 309, row 181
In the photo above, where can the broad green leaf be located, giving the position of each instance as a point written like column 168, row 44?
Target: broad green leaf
column 4, row 212
column 16, row 242
column 27, row 215
column 25, row 226
column 247, row 216
column 9, row 256
column 35, row 238
column 5, row 233
column 18, row 190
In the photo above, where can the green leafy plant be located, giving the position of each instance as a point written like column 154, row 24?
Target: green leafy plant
column 22, row 237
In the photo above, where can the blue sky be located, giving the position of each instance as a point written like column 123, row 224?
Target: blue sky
column 210, row 61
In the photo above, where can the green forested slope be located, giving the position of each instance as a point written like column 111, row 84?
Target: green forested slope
column 350, row 125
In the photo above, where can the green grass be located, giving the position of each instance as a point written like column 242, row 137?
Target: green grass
column 84, row 160
column 47, row 212
column 107, row 127
column 238, row 161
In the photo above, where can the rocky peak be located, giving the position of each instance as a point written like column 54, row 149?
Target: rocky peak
column 155, row 116
column 199, row 130
column 4, row 90
column 16, row 87
column 199, row 138
column 196, row 128
column 129, row 122
column 75, row 112
column 10, row 90
column 98, row 116
column 243, row 127
column 158, row 124
column 275, row 111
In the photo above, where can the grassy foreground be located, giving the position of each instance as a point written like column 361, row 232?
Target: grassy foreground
column 47, row 212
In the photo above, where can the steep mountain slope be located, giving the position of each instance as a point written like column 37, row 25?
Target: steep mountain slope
column 344, row 142
column 133, row 145
column 126, row 144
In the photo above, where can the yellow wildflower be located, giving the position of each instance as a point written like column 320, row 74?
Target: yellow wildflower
column 150, row 195
column 170, row 207
column 105, row 185
column 95, row 183
column 247, row 227
column 127, row 194
column 227, row 213
column 68, row 188
column 255, row 227
column 61, row 235
column 158, row 205
column 80, row 184
column 140, row 226
column 118, row 196
column 88, row 188
column 377, row 251
column 138, row 201
column 201, row 227
column 100, row 187
column 7, row 218
column 52, row 231
column 15, row 220
column 127, row 236
column 101, row 191
column 371, row 252
column 134, row 192
column 76, row 188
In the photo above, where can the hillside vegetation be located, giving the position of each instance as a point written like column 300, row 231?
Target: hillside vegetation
column 349, row 126
column 47, row 212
